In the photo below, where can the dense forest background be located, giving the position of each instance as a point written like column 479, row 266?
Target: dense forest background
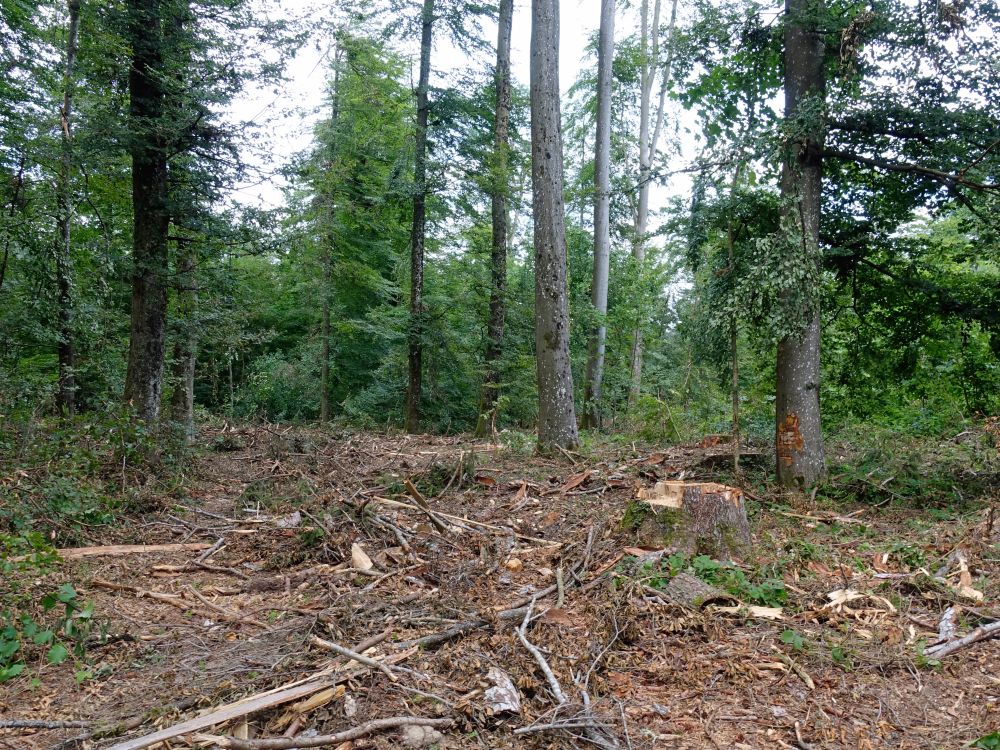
column 305, row 312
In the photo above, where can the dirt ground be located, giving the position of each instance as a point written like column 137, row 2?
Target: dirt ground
column 317, row 538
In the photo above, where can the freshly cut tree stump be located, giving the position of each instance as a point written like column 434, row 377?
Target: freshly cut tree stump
column 693, row 592
column 697, row 518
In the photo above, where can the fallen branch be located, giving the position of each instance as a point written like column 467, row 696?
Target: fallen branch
column 979, row 634
column 35, row 724
column 73, row 553
column 795, row 667
column 425, row 506
column 354, row 655
column 284, row 743
column 481, row 524
column 533, row 650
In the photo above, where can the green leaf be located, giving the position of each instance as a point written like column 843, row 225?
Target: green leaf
column 66, row 594
column 43, row 636
column 12, row 671
column 990, row 741
column 8, row 649
column 57, row 654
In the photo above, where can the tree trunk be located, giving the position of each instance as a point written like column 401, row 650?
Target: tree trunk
column 327, row 281
column 66, row 396
column 415, row 358
column 498, row 210
column 147, row 335
column 602, row 224
column 324, row 369
column 556, row 414
column 648, row 144
column 186, row 346
column 799, row 439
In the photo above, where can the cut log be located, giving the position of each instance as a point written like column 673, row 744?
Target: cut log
column 689, row 591
column 72, row 553
column 692, row 517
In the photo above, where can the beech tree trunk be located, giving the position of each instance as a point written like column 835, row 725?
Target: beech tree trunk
column 66, row 395
column 602, row 224
column 417, row 233
column 556, row 413
column 798, row 436
column 147, row 334
column 649, row 44
column 498, row 211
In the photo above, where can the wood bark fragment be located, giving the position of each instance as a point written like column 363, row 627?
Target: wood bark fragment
column 689, row 591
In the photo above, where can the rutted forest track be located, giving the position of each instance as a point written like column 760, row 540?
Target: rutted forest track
column 447, row 560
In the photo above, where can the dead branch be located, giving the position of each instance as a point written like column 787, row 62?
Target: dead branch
column 35, row 724
column 74, row 553
column 354, row 655
column 979, row 634
column 533, row 650
column 284, row 743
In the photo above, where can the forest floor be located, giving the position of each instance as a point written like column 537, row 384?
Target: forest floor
column 310, row 538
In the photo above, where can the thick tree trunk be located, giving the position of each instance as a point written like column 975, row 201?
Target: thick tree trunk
column 147, row 335
column 648, row 144
column 602, row 224
column 498, row 210
column 798, row 438
column 185, row 355
column 66, row 396
column 556, row 414
column 417, row 234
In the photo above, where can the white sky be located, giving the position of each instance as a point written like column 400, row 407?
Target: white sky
column 289, row 115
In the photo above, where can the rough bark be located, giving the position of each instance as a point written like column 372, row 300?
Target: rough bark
column 798, row 438
column 556, row 414
column 327, row 281
column 417, row 233
column 689, row 591
column 66, row 395
column 602, row 224
column 147, row 334
column 498, row 211
column 693, row 517
column 185, row 354
column 648, row 144
column 324, row 368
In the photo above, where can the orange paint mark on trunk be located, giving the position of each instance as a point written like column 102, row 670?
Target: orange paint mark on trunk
column 789, row 439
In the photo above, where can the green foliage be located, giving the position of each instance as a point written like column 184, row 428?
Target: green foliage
column 69, row 625
column 754, row 589
column 989, row 741
column 793, row 639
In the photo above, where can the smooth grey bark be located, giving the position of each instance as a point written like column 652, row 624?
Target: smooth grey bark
column 147, row 330
column 66, row 394
column 798, row 435
column 417, row 233
column 185, row 354
column 602, row 223
column 498, row 212
column 556, row 414
column 649, row 45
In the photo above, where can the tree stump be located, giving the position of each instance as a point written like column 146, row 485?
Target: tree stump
column 696, row 518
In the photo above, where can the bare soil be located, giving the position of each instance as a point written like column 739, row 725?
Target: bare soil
column 290, row 504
